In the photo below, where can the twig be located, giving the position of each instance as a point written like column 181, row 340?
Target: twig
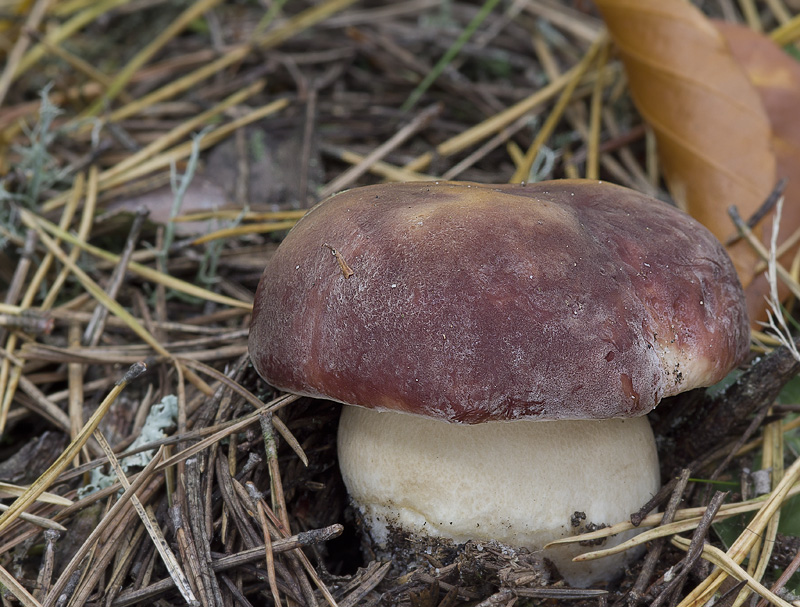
column 724, row 415
column 17, row 589
column 740, row 548
column 762, row 211
column 752, row 427
column 303, row 559
column 94, row 328
column 268, row 550
column 419, row 122
column 123, row 76
column 762, row 252
column 45, row 480
column 775, row 316
column 685, row 520
column 92, row 287
column 729, row 567
column 224, row 563
column 636, row 594
column 46, row 570
column 9, row 377
column 694, row 552
column 366, row 586
column 21, row 271
column 14, row 58
column 785, row 576
column 202, row 542
column 492, row 143
column 152, row 526
column 94, row 536
column 522, row 172
column 144, row 271
column 234, row 55
column 451, row 53
column 44, row 523
column 75, row 390
column 659, row 498
column 596, row 106
column 193, row 583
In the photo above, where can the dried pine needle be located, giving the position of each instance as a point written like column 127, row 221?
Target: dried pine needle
column 144, row 271
column 744, row 543
column 233, row 214
column 732, row 568
column 45, row 480
column 39, row 521
column 16, row 588
column 595, row 116
column 11, row 490
column 163, row 91
column 576, row 74
column 124, row 75
column 244, row 230
column 62, row 32
column 788, row 32
column 150, row 523
column 685, row 520
column 114, row 307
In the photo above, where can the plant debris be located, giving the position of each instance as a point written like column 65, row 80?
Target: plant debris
column 152, row 156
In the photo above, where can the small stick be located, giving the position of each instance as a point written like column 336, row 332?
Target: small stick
column 226, row 562
column 60, row 585
column 21, row 271
column 636, row 594
column 14, row 57
column 762, row 211
column 695, row 550
column 197, row 524
column 784, row 577
column 419, row 122
column 75, row 391
column 189, row 558
column 761, row 250
column 76, row 62
column 300, row 555
column 496, row 141
column 367, row 584
column 268, row 551
column 94, row 329
column 755, row 424
column 276, row 486
column 44, row 579
column 655, row 501
column 149, row 521
column 27, row 321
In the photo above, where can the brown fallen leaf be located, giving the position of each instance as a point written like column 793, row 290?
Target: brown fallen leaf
column 714, row 137
column 776, row 77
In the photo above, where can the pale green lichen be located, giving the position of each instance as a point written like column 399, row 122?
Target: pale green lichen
column 161, row 417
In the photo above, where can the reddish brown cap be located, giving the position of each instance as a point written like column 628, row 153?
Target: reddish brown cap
column 556, row 300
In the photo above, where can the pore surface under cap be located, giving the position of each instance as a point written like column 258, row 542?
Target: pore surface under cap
column 557, row 300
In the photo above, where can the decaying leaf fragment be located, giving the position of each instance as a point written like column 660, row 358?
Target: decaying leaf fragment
column 714, row 137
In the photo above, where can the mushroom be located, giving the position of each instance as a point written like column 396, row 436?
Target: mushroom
column 502, row 344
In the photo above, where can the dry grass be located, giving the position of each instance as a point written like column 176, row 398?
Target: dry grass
column 227, row 120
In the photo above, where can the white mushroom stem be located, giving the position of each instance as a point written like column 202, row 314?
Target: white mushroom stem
column 519, row 483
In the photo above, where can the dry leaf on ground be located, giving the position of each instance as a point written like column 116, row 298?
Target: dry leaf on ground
column 714, row 137
column 776, row 77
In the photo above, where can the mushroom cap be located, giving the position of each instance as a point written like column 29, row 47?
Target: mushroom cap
column 569, row 299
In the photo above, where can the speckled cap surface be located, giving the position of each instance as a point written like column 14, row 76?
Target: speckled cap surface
column 565, row 299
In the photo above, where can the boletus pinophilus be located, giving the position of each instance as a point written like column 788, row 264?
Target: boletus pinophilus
column 497, row 347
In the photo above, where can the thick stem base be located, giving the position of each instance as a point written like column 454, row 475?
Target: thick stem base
column 522, row 483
